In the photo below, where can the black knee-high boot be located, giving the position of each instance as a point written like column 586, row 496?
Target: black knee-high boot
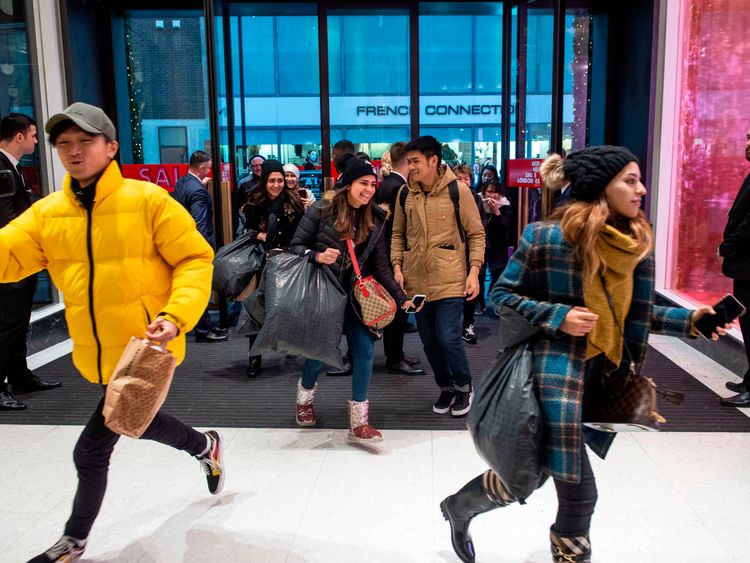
column 481, row 494
column 569, row 549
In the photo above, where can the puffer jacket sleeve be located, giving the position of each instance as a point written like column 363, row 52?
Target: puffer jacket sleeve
column 515, row 284
column 21, row 253
column 383, row 272
column 181, row 245
column 306, row 233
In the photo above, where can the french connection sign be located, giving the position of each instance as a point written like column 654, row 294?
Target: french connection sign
column 390, row 110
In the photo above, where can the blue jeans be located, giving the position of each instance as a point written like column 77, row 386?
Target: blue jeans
column 440, row 324
column 362, row 349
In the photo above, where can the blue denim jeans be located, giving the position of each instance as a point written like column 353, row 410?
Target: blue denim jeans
column 440, row 324
column 362, row 349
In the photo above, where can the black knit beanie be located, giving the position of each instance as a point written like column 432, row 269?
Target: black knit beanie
column 270, row 166
column 591, row 169
column 355, row 168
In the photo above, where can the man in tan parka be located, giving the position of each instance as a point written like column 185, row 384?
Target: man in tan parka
column 130, row 262
column 432, row 227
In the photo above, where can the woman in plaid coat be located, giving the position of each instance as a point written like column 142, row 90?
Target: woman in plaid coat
column 556, row 280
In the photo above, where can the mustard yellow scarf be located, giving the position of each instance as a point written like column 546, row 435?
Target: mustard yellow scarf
column 621, row 255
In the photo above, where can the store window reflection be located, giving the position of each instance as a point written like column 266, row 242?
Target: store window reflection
column 165, row 86
column 460, row 81
column 16, row 96
column 276, row 83
column 368, row 72
column 708, row 159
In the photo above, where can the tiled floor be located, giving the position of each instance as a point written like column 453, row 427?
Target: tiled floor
column 307, row 496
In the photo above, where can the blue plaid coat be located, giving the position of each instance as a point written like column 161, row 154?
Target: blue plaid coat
column 542, row 282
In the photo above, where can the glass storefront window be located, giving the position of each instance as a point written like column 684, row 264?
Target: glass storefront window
column 368, row 70
column 167, row 118
column 276, row 85
column 708, row 164
column 460, row 80
column 17, row 96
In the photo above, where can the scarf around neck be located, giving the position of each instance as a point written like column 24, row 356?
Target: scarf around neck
column 621, row 255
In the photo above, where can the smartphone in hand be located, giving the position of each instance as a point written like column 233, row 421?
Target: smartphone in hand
column 302, row 192
column 727, row 310
column 417, row 301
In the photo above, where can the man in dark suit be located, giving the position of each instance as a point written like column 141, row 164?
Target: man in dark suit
column 190, row 191
column 393, row 334
column 17, row 138
column 734, row 254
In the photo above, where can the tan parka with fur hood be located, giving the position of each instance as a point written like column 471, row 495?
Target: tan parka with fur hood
column 426, row 242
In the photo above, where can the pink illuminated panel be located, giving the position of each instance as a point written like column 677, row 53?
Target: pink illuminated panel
column 713, row 119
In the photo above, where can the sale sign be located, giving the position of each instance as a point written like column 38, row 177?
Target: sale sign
column 524, row 173
column 164, row 175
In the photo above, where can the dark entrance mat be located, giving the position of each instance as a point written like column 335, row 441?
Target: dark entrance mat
column 211, row 389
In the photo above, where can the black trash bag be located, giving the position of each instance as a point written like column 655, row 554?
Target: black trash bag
column 506, row 422
column 236, row 263
column 304, row 310
column 253, row 312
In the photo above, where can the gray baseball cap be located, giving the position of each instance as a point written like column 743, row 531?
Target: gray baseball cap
column 89, row 118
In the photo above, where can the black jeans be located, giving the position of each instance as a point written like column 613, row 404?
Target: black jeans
column 91, row 456
column 576, row 501
column 742, row 293
column 16, row 302
column 393, row 339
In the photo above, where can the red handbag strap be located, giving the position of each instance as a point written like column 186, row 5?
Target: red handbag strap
column 350, row 246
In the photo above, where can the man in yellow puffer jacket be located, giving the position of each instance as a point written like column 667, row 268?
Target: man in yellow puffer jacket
column 129, row 260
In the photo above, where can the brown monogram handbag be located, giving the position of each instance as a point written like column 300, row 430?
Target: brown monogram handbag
column 624, row 403
column 377, row 307
column 138, row 387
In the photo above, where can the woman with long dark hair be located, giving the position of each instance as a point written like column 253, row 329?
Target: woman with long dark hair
column 497, row 218
column 562, row 279
column 273, row 211
column 348, row 212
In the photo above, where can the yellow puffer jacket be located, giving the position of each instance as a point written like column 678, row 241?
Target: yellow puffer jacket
column 138, row 254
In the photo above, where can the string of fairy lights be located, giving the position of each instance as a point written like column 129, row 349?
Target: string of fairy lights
column 134, row 97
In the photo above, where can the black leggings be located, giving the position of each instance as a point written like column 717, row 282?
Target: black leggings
column 576, row 501
column 92, row 453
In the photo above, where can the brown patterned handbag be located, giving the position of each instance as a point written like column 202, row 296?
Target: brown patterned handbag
column 138, row 387
column 617, row 403
column 377, row 307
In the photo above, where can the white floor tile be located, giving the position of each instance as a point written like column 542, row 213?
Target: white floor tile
column 307, row 496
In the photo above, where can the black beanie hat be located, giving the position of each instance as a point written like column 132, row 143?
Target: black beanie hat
column 591, row 169
column 270, row 166
column 355, row 168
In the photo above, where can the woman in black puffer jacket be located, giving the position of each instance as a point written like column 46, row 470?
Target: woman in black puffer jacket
column 273, row 211
column 348, row 212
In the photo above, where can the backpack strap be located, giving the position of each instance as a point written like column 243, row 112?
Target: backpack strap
column 403, row 193
column 453, row 190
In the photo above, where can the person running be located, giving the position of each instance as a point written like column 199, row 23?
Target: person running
column 130, row 262
column 560, row 280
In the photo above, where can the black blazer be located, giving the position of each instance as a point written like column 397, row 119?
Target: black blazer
column 12, row 206
column 735, row 248
column 193, row 196
column 387, row 194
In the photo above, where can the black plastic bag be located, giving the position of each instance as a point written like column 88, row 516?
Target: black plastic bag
column 253, row 313
column 236, row 263
column 506, row 422
column 304, row 310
